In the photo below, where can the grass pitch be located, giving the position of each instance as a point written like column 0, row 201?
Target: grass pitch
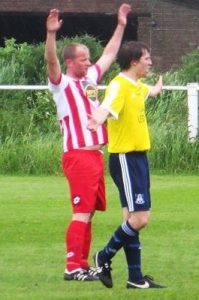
column 34, row 213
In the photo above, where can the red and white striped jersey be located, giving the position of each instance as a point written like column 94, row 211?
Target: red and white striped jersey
column 76, row 100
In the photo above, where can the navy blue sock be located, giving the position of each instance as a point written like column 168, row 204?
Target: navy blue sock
column 132, row 251
column 122, row 235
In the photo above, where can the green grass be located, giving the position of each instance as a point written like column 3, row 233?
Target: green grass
column 34, row 212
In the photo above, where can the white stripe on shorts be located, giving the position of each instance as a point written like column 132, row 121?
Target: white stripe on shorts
column 126, row 181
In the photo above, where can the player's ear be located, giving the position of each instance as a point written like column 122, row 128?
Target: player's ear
column 134, row 62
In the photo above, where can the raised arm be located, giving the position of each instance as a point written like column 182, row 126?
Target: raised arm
column 53, row 24
column 111, row 49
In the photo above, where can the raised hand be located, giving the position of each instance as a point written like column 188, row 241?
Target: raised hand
column 123, row 12
column 157, row 88
column 53, row 23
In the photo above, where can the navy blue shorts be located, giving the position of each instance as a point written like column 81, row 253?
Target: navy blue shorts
column 130, row 172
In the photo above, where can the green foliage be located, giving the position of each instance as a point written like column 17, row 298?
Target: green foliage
column 31, row 155
column 189, row 71
column 22, row 63
column 167, row 116
column 29, row 130
column 33, row 115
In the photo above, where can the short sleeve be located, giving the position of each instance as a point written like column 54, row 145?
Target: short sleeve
column 114, row 99
column 56, row 87
column 94, row 73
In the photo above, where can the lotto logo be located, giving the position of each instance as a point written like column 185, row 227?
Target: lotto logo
column 76, row 200
column 70, row 254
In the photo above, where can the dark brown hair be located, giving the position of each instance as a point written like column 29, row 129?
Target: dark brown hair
column 130, row 51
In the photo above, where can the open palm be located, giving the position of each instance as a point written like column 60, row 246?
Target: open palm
column 53, row 23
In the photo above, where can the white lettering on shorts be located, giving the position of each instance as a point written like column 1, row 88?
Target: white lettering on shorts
column 139, row 199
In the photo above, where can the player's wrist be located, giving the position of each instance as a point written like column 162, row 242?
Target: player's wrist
column 121, row 24
column 51, row 31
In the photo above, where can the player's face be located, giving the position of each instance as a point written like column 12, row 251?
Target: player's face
column 80, row 63
column 144, row 64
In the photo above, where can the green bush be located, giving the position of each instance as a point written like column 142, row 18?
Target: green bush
column 189, row 71
column 167, row 115
column 29, row 155
column 22, row 63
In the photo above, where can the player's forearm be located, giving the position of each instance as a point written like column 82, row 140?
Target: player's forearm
column 50, row 47
column 114, row 43
column 51, row 58
column 100, row 115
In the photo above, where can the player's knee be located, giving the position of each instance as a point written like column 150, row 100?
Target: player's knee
column 139, row 220
column 82, row 217
column 144, row 221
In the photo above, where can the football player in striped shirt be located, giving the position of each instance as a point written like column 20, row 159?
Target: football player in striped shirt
column 75, row 95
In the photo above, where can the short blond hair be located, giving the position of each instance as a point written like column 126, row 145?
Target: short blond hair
column 69, row 51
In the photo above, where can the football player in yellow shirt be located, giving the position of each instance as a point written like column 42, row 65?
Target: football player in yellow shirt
column 124, row 106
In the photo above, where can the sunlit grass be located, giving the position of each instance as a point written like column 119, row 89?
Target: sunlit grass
column 34, row 212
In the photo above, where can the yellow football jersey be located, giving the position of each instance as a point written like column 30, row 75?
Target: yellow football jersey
column 127, row 126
